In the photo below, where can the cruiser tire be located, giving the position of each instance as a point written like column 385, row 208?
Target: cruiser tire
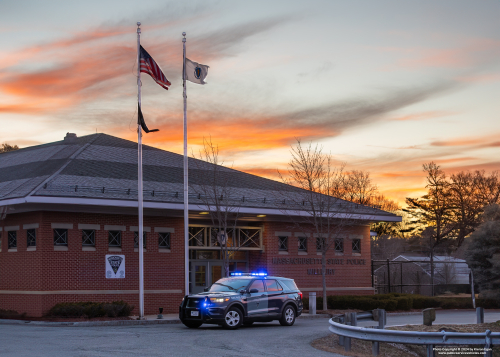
column 288, row 316
column 192, row 324
column 233, row 319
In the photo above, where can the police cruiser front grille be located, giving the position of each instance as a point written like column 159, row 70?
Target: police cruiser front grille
column 194, row 303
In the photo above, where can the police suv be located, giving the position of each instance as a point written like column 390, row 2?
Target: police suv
column 243, row 299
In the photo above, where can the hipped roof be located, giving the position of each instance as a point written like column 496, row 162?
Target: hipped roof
column 104, row 167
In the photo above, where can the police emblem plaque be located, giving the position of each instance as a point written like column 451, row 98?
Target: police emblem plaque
column 115, row 266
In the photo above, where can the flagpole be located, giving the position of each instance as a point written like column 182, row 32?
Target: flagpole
column 186, row 201
column 139, row 181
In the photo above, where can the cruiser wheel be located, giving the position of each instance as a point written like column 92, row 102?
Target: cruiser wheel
column 233, row 319
column 288, row 316
column 192, row 324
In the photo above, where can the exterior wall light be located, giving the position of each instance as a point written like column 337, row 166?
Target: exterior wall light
column 204, row 212
column 261, row 215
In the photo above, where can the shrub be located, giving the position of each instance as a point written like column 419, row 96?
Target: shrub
column 404, row 303
column 10, row 314
column 391, row 305
column 118, row 309
column 91, row 309
column 488, row 303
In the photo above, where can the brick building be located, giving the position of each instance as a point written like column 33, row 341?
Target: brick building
column 67, row 206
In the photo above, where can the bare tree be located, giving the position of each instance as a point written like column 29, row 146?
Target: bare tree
column 215, row 193
column 313, row 209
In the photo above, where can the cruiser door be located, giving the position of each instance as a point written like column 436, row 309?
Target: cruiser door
column 257, row 301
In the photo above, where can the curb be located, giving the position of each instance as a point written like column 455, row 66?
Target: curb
column 404, row 313
column 89, row 323
column 317, row 316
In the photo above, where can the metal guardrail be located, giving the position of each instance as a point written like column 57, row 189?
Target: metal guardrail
column 346, row 328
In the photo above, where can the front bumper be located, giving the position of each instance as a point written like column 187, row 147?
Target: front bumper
column 210, row 314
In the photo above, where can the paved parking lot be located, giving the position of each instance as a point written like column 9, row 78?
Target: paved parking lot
column 265, row 339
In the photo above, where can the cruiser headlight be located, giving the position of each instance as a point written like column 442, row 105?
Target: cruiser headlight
column 219, row 299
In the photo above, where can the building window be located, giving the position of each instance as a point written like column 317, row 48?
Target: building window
column 164, row 240
column 31, row 236
column 88, row 238
column 283, row 243
column 60, row 236
column 356, row 245
column 339, row 245
column 136, row 239
column 302, row 244
column 320, row 244
column 12, row 239
column 115, row 238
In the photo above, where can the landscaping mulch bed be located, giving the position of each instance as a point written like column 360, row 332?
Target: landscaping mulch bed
column 361, row 348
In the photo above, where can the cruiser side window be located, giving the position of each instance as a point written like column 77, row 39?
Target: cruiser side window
column 272, row 285
column 257, row 284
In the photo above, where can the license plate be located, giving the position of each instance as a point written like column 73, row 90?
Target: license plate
column 195, row 313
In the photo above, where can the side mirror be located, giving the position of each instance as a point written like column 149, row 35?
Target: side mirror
column 253, row 291
column 206, row 289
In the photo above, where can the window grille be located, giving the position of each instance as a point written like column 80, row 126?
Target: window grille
column 31, row 236
column 356, row 245
column 12, row 239
column 60, row 236
column 320, row 244
column 283, row 243
column 250, row 238
column 115, row 238
column 196, row 236
column 164, row 240
column 88, row 237
column 302, row 244
column 339, row 245
column 136, row 239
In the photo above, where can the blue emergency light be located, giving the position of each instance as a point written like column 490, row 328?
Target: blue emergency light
column 249, row 274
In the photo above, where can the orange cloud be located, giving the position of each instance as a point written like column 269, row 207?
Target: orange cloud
column 476, row 51
column 424, row 115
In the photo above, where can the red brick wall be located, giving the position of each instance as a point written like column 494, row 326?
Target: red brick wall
column 345, row 276
column 74, row 269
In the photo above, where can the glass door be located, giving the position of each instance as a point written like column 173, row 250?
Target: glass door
column 199, row 277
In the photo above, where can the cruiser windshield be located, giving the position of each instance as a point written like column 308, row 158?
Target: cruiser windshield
column 229, row 285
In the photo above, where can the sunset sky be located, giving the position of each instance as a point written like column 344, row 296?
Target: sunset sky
column 385, row 86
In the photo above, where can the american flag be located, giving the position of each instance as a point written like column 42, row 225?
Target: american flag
column 149, row 66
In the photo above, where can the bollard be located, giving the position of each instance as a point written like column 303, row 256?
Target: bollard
column 341, row 338
column 347, row 340
column 354, row 319
column 480, row 315
column 382, row 321
column 312, row 303
column 380, row 316
column 377, row 316
column 429, row 316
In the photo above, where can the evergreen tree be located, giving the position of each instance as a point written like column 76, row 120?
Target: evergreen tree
column 483, row 255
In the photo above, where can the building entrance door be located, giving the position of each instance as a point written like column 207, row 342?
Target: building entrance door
column 204, row 274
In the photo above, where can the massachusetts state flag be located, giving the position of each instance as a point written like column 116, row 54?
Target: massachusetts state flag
column 149, row 66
